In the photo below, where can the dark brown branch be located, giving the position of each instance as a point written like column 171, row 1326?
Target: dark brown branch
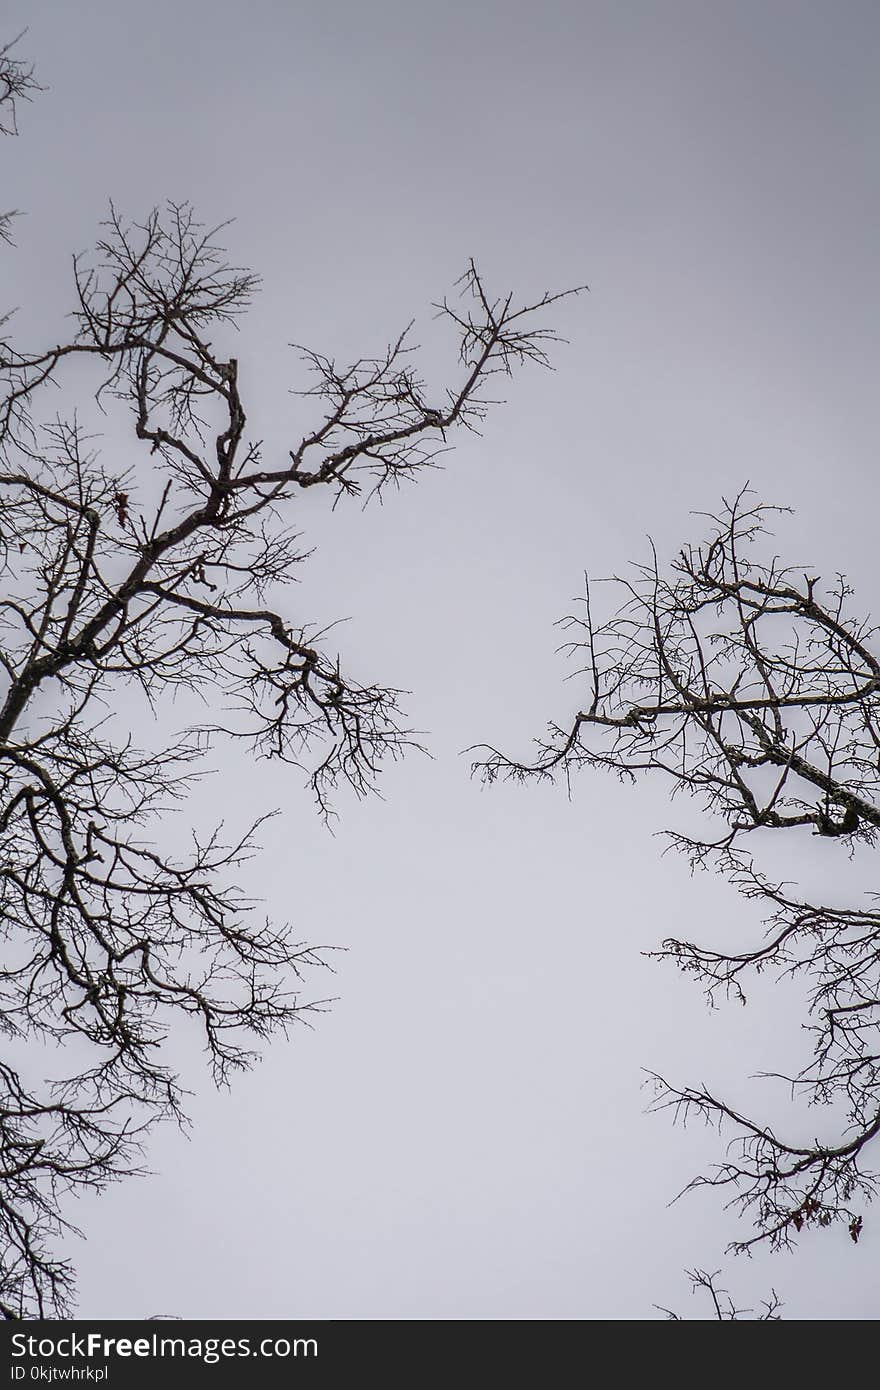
column 753, row 688
column 164, row 578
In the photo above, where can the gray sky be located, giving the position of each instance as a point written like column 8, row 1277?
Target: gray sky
column 463, row 1136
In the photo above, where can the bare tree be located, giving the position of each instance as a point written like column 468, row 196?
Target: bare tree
column 17, row 83
column 721, row 1303
column 163, row 574
column 753, row 688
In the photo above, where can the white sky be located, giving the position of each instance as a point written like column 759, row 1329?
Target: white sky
column 463, row 1136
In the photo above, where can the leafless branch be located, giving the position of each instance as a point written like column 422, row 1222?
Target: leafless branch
column 722, row 1305
column 754, row 689
column 161, row 574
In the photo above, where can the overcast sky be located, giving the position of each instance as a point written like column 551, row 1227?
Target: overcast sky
column 464, row 1134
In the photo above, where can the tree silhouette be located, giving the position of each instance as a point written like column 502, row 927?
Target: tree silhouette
column 754, row 689
column 721, row 1303
column 163, row 573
